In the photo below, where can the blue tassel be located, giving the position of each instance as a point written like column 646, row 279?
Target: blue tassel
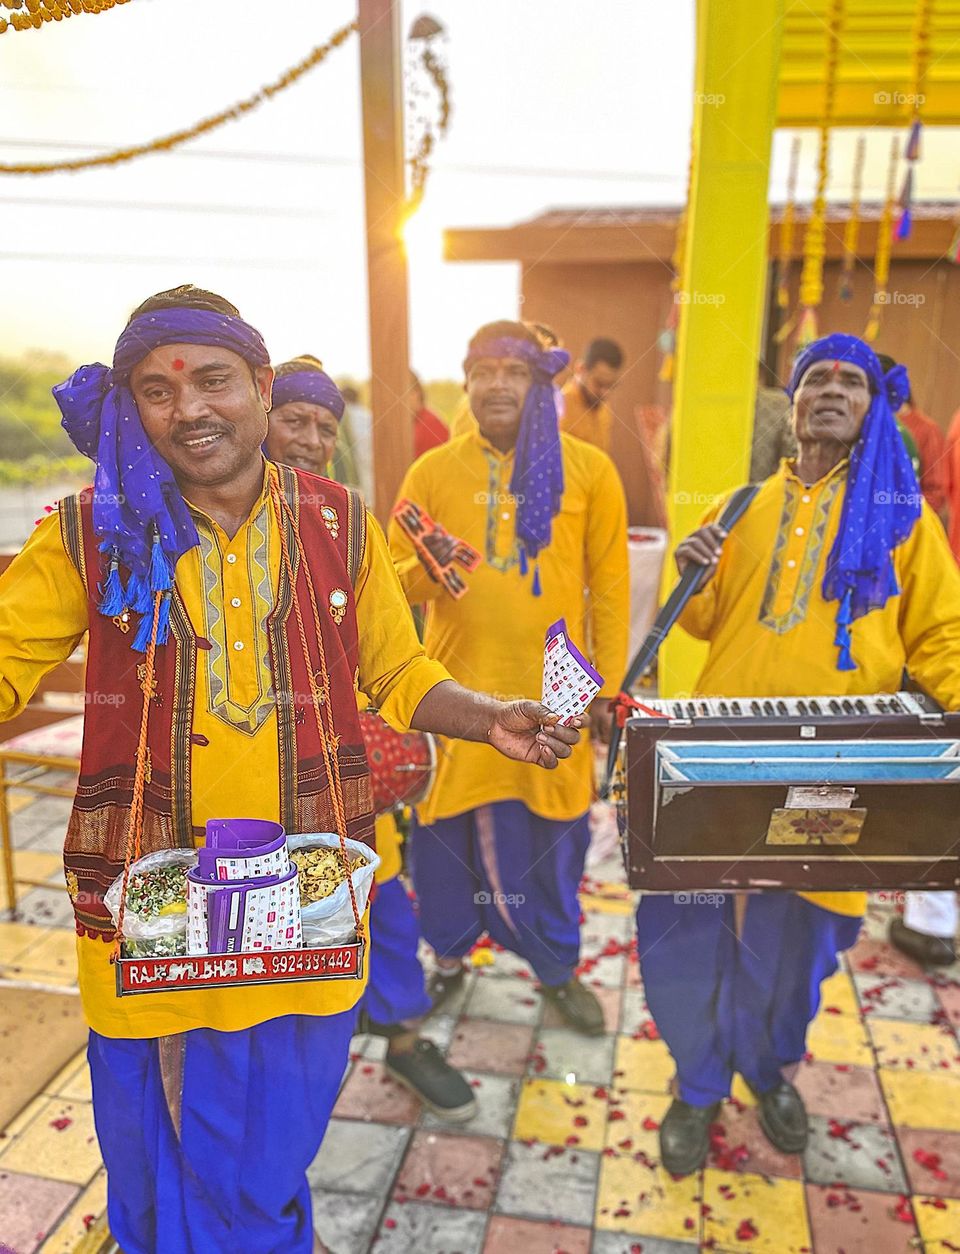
column 144, row 629
column 845, row 661
column 523, row 562
column 163, row 619
column 904, row 225
column 537, row 590
column 844, row 613
column 160, row 573
column 113, row 602
column 137, row 595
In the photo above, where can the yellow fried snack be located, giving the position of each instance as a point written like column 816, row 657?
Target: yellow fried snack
column 320, row 871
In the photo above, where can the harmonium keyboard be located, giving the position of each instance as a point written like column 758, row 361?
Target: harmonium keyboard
column 810, row 793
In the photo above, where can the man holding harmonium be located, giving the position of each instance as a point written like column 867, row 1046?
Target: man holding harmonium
column 836, row 579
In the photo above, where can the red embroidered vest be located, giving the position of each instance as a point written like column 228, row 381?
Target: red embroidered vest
column 96, row 840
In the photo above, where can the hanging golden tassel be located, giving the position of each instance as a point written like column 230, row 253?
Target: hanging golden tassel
column 881, row 261
column 667, row 339
column 785, row 249
column 815, row 238
column 921, row 59
column 851, row 234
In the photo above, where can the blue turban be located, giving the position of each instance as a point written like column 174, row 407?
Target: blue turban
column 537, row 480
column 882, row 501
column 139, row 514
column 314, row 387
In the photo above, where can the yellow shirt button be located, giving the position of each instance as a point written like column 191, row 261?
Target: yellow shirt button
column 791, row 563
column 798, row 531
column 238, row 645
column 231, row 558
column 235, row 602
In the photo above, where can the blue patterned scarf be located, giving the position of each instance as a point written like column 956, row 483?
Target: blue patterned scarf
column 314, row 387
column 882, row 501
column 139, row 514
column 537, row 480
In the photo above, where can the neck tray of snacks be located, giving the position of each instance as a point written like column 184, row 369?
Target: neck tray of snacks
column 253, row 906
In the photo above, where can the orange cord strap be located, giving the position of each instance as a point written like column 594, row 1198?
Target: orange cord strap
column 321, row 697
column 135, row 828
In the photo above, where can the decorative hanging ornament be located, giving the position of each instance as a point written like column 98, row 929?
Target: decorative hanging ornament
column 815, row 237
column 426, row 76
column 851, row 234
column 667, row 339
column 881, row 261
column 785, row 249
column 921, row 60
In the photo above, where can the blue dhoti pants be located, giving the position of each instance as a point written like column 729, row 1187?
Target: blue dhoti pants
column 395, row 991
column 726, row 1005
column 503, row 870
column 253, row 1108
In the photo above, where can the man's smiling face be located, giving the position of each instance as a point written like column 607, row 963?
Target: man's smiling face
column 203, row 409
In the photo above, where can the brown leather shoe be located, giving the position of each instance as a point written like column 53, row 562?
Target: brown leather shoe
column 578, row 1005
column 928, row 951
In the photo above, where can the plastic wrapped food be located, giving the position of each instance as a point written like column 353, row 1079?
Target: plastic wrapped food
column 155, row 919
column 328, row 919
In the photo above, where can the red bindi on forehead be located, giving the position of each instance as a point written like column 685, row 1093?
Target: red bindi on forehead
column 177, row 363
column 836, row 367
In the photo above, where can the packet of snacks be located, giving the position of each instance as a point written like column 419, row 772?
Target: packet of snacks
column 155, row 919
column 325, row 907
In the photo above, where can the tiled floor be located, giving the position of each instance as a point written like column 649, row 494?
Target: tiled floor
column 563, row 1154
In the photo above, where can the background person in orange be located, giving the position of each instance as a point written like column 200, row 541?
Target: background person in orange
column 586, row 413
column 931, row 448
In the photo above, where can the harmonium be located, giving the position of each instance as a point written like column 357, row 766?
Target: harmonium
column 810, row 793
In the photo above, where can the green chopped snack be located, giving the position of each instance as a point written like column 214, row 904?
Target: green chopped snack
column 159, row 891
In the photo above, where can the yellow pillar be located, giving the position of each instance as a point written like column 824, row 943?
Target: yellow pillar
column 718, row 338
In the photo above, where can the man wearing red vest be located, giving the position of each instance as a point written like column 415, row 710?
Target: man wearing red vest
column 261, row 586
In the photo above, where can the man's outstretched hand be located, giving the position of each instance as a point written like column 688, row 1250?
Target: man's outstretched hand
column 523, row 730
column 528, row 732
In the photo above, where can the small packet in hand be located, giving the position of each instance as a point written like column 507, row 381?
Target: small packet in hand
column 570, row 683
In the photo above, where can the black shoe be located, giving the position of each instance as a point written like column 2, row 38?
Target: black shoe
column 783, row 1117
column 685, row 1136
column 928, row 951
column 578, row 1005
column 438, row 1085
column 441, row 987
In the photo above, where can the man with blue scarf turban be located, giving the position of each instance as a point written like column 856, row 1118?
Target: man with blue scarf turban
column 836, row 579
column 307, row 408
column 492, row 852
column 184, row 565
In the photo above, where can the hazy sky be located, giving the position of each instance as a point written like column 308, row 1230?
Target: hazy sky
column 554, row 104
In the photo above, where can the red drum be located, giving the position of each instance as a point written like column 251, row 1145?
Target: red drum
column 402, row 764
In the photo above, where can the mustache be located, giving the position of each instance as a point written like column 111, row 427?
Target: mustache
column 196, row 430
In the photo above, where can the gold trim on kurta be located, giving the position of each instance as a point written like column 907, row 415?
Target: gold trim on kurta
column 796, row 612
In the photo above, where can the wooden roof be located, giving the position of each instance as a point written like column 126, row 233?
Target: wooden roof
column 634, row 233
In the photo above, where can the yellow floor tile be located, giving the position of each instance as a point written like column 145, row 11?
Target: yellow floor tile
column 550, row 1111
column 922, row 1099
column 632, row 1197
column 838, row 992
column 73, row 1082
column 69, row 1154
column 937, row 1226
column 776, row 1208
column 15, row 939
column 54, row 954
column 644, row 1065
column 37, row 865
column 636, row 1109
column 591, row 903
column 71, row 1229
column 839, row 1038
column 23, row 1119
column 925, row 1045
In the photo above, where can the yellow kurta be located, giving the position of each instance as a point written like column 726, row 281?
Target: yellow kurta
column 493, row 637
column 228, row 587
column 771, row 631
column 587, row 422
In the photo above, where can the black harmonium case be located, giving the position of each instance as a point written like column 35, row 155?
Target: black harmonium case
column 810, row 793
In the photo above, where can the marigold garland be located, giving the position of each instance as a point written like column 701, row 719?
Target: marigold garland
column 881, row 261
column 851, row 234
column 815, row 238
column 40, row 11
column 423, row 133
column 164, row 144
